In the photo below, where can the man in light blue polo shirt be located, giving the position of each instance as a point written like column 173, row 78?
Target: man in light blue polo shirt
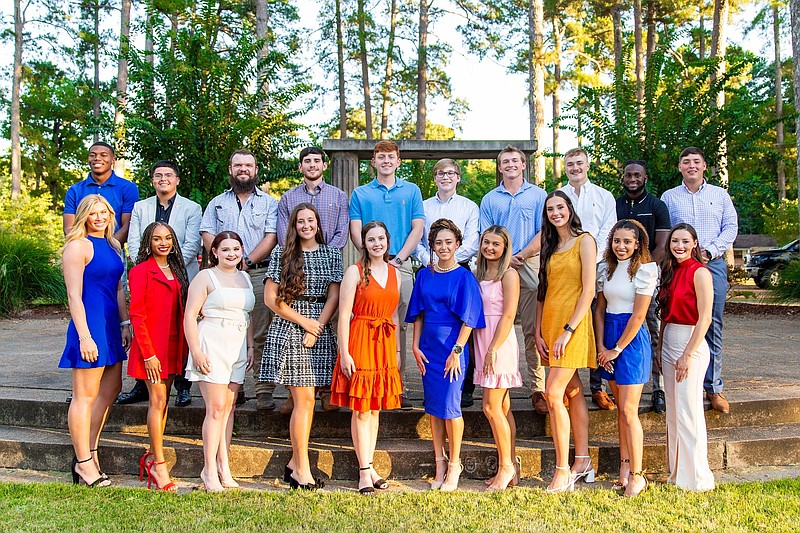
column 518, row 204
column 398, row 204
column 102, row 180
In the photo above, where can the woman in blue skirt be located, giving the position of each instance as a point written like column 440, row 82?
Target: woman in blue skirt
column 445, row 306
column 626, row 281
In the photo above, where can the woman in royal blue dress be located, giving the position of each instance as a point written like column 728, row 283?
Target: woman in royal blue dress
column 445, row 306
column 98, row 332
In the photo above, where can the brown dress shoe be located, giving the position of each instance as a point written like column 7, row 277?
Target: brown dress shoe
column 719, row 402
column 325, row 400
column 603, row 401
column 539, row 403
column 264, row 402
column 287, row 406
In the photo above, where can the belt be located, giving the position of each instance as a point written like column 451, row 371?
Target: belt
column 260, row 264
column 311, row 299
column 226, row 322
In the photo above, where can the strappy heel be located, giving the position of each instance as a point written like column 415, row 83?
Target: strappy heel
column 77, row 479
column 620, row 484
column 369, row 489
column 646, row 484
column 287, row 473
column 436, row 485
column 294, row 484
column 569, row 487
column 449, row 486
column 169, row 487
column 144, row 464
column 380, row 483
column 497, row 488
column 588, row 472
column 102, row 474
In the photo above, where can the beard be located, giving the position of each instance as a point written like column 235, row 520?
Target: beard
column 240, row 187
column 634, row 192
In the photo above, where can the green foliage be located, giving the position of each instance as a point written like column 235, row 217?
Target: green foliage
column 780, row 221
column 195, row 103
column 31, row 216
column 788, row 287
column 27, row 272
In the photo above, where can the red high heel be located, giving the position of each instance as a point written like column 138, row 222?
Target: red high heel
column 169, row 487
column 144, row 464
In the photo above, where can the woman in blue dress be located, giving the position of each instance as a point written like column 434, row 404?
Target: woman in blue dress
column 445, row 306
column 98, row 333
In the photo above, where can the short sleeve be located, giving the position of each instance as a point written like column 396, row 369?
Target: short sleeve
column 466, row 302
column 337, row 271
column 208, row 223
column 274, row 268
column 270, row 225
column 416, row 304
column 130, row 197
column 646, row 279
column 602, row 275
column 355, row 205
column 71, row 201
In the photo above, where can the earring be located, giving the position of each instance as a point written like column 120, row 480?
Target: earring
column 149, row 251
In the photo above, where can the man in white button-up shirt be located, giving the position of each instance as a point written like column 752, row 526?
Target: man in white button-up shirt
column 597, row 210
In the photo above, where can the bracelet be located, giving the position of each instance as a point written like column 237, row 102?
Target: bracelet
column 88, row 336
column 149, row 358
column 617, row 349
column 125, row 323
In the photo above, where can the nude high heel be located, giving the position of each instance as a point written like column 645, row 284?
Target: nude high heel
column 436, row 485
column 588, row 472
column 569, row 487
column 449, row 485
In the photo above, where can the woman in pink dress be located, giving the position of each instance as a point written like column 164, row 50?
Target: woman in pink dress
column 496, row 350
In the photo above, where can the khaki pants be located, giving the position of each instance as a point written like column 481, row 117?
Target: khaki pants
column 526, row 311
column 260, row 317
column 406, row 286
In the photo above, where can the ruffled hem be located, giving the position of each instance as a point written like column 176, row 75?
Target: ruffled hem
column 367, row 390
column 498, row 381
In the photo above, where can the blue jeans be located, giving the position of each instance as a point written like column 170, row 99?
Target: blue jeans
column 719, row 274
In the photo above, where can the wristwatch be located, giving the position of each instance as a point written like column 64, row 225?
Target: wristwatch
column 248, row 262
column 617, row 349
column 569, row 328
column 397, row 260
column 457, row 349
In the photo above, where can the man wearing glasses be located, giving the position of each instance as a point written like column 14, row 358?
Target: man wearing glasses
column 446, row 203
column 184, row 216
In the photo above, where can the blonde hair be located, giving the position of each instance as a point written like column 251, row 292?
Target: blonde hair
column 78, row 230
column 505, row 259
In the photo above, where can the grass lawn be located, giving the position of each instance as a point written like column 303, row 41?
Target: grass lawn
column 768, row 506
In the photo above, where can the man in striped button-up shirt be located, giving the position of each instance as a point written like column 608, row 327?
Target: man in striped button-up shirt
column 709, row 209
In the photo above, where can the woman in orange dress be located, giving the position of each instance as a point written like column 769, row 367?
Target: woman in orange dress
column 366, row 378
column 564, row 333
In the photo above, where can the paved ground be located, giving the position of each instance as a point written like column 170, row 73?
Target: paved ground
column 761, row 354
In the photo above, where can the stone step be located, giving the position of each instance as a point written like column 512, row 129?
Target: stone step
column 48, row 410
column 50, row 449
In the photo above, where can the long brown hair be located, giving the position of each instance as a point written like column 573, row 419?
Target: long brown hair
column 640, row 255
column 669, row 264
column 505, row 259
column 293, row 276
column 441, row 225
column 364, row 260
column 221, row 236
column 174, row 257
column 549, row 238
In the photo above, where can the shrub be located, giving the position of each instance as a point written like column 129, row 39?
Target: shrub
column 27, row 272
column 780, row 221
column 33, row 216
column 788, row 287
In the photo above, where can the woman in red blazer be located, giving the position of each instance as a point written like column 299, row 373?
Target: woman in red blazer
column 158, row 285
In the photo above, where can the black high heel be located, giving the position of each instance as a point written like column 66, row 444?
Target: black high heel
column 287, row 474
column 102, row 474
column 294, row 484
column 77, row 478
column 380, row 483
column 369, row 489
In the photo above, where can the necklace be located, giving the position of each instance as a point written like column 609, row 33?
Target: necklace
column 165, row 267
column 224, row 274
column 448, row 269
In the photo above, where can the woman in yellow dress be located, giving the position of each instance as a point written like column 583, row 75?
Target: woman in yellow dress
column 564, row 333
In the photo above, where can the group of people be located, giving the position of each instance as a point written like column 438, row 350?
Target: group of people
column 277, row 300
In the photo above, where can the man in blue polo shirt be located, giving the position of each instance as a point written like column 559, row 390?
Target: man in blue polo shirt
column 518, row 204
column 102, row 180
column 398, row 204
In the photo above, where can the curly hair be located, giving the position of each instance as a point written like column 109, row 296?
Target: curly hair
column 364, row 260
column 441, row 225
column 640, row 255
column 550, row 238
column 174, row 257
column 669, row 264
column 293, row 276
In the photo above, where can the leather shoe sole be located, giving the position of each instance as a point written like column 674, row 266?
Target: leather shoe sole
column 719, row 402
column 603, row 401
column 137, row 394
column 183, row 398
column 264, row 402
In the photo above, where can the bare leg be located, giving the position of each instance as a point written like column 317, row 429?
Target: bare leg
column 223, row 463
column 512, row 425
column 215, row 396
column 493, row 400
column 300, row 430
column 85, row 387
column 373, row 443
column 110, row 385
column 156, row 420
column 579, row 420
column 557, row 382
column 439, row 433
column 624, row 454
column 361, row 430
column 455, row 434
column 629, row 396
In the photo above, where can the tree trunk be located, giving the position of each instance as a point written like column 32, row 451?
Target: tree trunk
column 702, row 50
column 422, row 70
column 536, row 83
column 340, row 68
column 619, row 76
column 16, row 143
column 638, row 46
column 776, row 31
column 794, row 8
column 262, row 33
column 362, row 54
column 122, row 87
column 651, row 29
column 96, row 60
column 718, row 49
column 557, row 44
column 387, row 79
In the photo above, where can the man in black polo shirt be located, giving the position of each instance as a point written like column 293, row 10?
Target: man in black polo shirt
column 647, row 209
